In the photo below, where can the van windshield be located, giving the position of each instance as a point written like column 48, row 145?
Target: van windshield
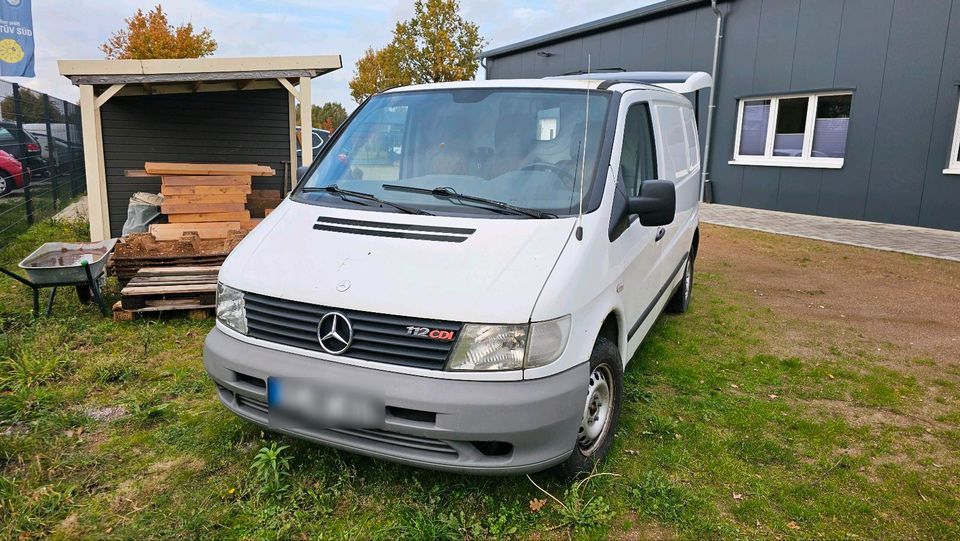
column 521, row 147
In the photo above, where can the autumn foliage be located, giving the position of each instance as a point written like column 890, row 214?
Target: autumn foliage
column 436, row 45
column 150, row 35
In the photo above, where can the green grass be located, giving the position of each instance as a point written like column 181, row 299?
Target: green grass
column 719, row 439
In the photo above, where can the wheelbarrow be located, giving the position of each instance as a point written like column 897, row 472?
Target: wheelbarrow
column 64, row 264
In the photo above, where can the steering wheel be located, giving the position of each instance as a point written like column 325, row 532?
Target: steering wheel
column 565, row 175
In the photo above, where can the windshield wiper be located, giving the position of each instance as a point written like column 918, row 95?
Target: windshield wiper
column 334, row 189
column 449, row 193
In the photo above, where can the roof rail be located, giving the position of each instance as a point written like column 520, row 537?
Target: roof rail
column 682, row 82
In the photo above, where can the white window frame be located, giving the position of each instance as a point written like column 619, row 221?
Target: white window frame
column 953, row 163
column 768, row 159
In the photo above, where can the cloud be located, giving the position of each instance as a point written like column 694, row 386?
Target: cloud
column 74, row 30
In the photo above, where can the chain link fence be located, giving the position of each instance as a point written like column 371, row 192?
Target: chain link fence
column 41, row 157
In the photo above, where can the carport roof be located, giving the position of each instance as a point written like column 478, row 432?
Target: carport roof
column 196, row 70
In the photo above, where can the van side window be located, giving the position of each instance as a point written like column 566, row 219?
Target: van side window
column 638, row 156
column 674, row 142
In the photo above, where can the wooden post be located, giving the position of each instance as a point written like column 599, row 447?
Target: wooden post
column 93, row 164
column 306, row 121
column 292, row 176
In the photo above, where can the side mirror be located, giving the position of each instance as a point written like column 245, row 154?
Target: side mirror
column 656, row 204
column 302, row 170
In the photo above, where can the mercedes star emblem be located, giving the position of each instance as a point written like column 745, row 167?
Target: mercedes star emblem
column 335, row 333
column 343, row 285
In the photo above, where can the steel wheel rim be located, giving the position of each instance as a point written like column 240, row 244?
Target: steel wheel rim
column 597, row 410
column 3, row 185
column 688, row 280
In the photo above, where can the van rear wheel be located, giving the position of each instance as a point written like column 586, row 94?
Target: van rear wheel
column 680, row 301
column 601, row 410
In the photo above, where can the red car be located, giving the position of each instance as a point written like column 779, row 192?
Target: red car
column 12, row 175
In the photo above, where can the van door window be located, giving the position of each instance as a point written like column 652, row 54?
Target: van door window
column 674, row 142
column 638, row 156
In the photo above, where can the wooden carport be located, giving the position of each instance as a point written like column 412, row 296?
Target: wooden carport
column 206, row 110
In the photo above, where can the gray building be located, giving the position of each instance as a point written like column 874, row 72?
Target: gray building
column 843, row 108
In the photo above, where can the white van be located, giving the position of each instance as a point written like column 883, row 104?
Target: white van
column 460, row 278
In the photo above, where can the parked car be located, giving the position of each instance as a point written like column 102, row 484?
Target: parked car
column 12, row 176
column 472, row 306
column 23, row 146
column 319, row 138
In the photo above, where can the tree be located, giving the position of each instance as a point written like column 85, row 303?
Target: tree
column 328, row 116
column 377, row 71
column 436, row 45
column 150, row 35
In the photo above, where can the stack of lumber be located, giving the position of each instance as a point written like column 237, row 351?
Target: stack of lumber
column 208, row 199
column 165, row 289
column 143, row 250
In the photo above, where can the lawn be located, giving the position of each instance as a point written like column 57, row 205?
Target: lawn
column 791, row 402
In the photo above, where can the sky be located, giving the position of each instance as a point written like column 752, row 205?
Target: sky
column 73, row 29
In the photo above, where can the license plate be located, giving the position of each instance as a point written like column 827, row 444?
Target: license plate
column 311, row 404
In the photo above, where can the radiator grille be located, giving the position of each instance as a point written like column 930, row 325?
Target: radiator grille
column 376, row 337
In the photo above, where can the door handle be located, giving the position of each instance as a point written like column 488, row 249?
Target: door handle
column 660, row 233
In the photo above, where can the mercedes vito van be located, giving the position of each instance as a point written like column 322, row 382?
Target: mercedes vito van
column 461, row 277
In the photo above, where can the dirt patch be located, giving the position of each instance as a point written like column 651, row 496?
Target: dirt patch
column 856, row 300
column 108, row 413
column 862, row 416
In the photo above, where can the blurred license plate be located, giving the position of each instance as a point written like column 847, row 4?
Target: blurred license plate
column 306, row 403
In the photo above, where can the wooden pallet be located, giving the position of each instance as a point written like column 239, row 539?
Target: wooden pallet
column 164, row 308
column 159, row 289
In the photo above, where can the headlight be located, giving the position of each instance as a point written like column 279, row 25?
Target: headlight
column 230, row 309
column 489, row 347
column 510, row 347
column 548, row 339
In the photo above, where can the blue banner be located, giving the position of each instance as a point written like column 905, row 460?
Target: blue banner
column 16, row 38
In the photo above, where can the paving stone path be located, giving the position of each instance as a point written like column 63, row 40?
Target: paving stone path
column 895, row 238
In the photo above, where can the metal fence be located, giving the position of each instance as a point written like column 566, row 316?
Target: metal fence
column 41, row 157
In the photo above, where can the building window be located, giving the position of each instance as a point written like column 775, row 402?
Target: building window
column 807, row 130
column 953, row 164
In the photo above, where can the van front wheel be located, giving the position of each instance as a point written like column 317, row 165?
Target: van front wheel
column 601, row 410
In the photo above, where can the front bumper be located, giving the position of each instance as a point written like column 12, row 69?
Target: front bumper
column 502, row 427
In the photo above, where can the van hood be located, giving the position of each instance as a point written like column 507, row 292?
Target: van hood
column 436, row 267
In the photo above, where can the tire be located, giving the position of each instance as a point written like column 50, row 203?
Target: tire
column 593, row 444
column 680, row 301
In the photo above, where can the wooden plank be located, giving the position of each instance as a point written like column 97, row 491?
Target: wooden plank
column 164, row 168
column 204, row 198
column 134, row 291
column 212, row 180
column 205, row 230
column 172, row 280
column 247, row 225
column 204, row 190
column 174, row 304
column 179, row 270
column 210, row 217
column 200, row 208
